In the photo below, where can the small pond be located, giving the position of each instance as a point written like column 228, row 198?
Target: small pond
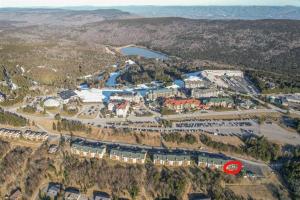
column 143, row 52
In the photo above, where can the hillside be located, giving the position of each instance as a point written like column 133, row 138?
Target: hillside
column 26, row 17
column 216, row 12
column 272, row 45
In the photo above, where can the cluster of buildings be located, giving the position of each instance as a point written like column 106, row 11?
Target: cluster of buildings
column 180, row 105
column 202, row 90
column 138, row 156
column 28, row 134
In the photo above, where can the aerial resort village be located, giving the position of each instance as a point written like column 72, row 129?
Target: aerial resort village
column 129, row 122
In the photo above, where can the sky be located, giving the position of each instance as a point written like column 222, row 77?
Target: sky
column 59, row 3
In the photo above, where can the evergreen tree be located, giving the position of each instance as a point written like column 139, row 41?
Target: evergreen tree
column 54, row 126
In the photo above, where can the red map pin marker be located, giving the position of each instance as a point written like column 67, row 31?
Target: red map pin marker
column 235, row 170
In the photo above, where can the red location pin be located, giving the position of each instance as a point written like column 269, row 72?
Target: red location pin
column 234, row 171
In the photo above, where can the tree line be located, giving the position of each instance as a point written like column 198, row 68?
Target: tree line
column 12, row 119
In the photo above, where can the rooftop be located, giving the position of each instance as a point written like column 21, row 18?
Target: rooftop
column 90, row 148
column 212, row 159
column 172, row 157
column 182, row 101
column 66, row 94
column 140, row 154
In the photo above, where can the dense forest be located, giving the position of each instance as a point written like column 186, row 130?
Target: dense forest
column 270, row 45
column 178, row 138
column 291, row 173
column 70, row 125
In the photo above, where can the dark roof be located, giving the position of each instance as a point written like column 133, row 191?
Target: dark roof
column 66, row 94
column 139, row 154
column 216, row 159
column 172, row 157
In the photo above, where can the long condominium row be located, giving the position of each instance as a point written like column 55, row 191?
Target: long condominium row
column 139, row 156
column 28, row 134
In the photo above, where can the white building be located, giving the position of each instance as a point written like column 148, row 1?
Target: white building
column 122, row 109
column 128, row 96
column 51, row 103
column 195, row 82
column 130, row 62
column 90, row 96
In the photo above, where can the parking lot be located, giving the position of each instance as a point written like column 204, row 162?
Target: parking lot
column 90, row 111
column 221, row 127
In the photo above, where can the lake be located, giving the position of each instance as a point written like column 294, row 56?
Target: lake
column 143, row 52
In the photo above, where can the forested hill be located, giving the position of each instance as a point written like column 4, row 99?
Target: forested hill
column 216, row 12
column 42, row 16
column 271, row 45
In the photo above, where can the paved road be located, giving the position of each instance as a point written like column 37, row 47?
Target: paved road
column 258, row 166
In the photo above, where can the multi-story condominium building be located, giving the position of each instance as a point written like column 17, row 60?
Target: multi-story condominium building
column 88, row 150
column 28, row 134
column 128, row 156
column 212, row 162
column 35, row 135
column 184, row 104
column 225, row 102
column 163, row 92
column 172, row 159
column 195, row 82
column 205, row 92
column 9, row 133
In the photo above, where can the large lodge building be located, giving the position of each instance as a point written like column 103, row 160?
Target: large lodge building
column 179, row 105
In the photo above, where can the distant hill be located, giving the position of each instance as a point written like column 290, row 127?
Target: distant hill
column 47, row 16
column 216, row 12
column 271, row 45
